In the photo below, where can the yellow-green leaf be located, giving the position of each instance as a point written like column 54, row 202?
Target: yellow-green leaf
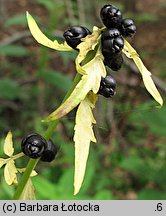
column 2, row 162
column 90, row 81
column 82, row 138
column 42, row 39
column 88, row 43
column 95, row 69
column 10, row 173
column 8, row 145
column 146, row 75
column 129, row 51
column 78, row 94
column 28, row 192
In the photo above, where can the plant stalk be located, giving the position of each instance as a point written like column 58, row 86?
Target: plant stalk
column 47, row 135
column 30, row 166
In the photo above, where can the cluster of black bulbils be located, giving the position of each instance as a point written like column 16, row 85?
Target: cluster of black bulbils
column 112, row 42
column 35, row 146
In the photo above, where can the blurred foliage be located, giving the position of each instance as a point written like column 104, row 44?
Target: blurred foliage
column 16, row 20
column 129, row 159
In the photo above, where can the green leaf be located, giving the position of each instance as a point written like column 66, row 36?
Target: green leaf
column 103, row 195
column 146, row 17
column 8, row 145
column 151, row 194
column 42, row 39
column 49, row 4
column 7, row 191
column 154, row 119
column 90, row 81
column 82, row 138
column 28, row 192
column 130, row 52
column 9, row 89
column 16, row 20
column 13, row 51
column 57, row 79
column 10, row 173
column 40, row 183
column 132, row 163
column 63, row 190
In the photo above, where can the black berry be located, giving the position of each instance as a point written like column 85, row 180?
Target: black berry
column 110, row 33
column 111, row 16
column 74, row 34
column 112, row 42
column 115, row 62
column 128, row 28
column 107, row 86
column 49, row 152
column 33, row 145
column 112, row 46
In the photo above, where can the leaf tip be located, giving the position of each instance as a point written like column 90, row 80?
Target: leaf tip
column 76, row 190
column 9, row 133
column 160, row 101
column 28, row 15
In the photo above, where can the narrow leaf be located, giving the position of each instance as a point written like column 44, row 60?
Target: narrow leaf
column 13, row 50
column 28, row 192
column 57, row 78
column 82, row 138
column 42, row 39
column 10, row 173
column 146, row 75
column 148, row 81
column 90, row 81
column 18, row 19
column 8, row 145
column 9, row 89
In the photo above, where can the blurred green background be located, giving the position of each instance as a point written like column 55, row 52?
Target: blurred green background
column 129, row 159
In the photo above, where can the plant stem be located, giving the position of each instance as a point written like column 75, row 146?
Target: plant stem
column 33, row 162
column 30, row 166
